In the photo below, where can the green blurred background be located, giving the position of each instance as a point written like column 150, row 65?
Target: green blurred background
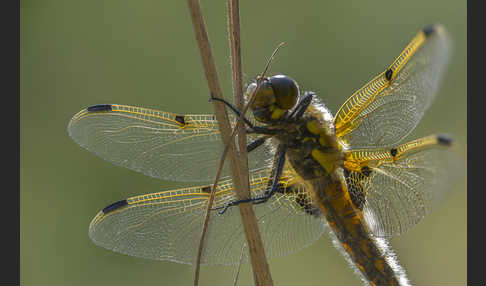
column 79, row 53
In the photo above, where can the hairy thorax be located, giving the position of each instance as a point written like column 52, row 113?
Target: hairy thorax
column 311, row 145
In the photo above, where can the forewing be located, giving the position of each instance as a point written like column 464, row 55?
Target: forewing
column 389, row 107
column 400, row 190
column 167, row 225
column 158, row 144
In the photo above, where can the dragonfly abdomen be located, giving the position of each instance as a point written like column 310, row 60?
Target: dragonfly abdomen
column 347, row 223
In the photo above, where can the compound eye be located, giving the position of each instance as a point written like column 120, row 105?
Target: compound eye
column 264, row 97
column 286, row 91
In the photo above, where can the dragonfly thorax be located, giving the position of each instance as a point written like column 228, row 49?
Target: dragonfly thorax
column 312, row 147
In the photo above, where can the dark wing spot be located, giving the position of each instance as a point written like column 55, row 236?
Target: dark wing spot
column 206, row 189
column 444, row 140
column 115, row 206
column 180, row 119
column 429, row 30
column 393, row 152
column 388, row 74
column 99, row 107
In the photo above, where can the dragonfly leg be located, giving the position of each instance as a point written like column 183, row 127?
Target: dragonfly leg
column 253, row 128
column 302, row 106
column 234, row 109
column 255, row 144
column 276, row 173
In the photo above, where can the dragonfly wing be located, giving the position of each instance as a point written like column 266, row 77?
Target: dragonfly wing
column 400, row 190
column 158, row 144
column 389, row 107
column 167, row 225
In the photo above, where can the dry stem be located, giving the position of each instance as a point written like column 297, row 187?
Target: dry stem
column 249, row 221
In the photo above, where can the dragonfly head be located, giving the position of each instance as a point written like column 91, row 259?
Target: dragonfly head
column 276, row 95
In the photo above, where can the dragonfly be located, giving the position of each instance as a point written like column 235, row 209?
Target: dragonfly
column 310, row 172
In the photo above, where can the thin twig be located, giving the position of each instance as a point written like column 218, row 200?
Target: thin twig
column 237, row 79
column 216, row 180
column 261, row 270
column 220, row 111
column 248, row 217
column 237, row 274
column 260, row 267
column 260, row 79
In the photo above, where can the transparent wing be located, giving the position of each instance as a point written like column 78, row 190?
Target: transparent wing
column 388, row 108
column 156, row 143
column 400, row 190
column 167, row 225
